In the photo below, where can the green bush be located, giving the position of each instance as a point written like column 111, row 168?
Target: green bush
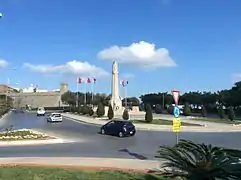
column 170, row 109
column 80, row 109
column 187, row 110
column 221, row 112
column 204, row 112
column 148, row 115
column 110, row 112
column 100, row 110
column 91, row 111
column 158, row 109
column 231, row 114
column 125, row 115
column 85, row 110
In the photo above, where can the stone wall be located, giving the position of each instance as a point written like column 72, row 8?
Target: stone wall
column 38, row 99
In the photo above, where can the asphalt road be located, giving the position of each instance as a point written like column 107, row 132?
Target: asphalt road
column 88, row 143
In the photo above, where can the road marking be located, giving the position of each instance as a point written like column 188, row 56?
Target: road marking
column 81, row 122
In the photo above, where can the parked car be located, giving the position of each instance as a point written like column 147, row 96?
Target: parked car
column 120, row 128
column 41, row 111
column 55, row 117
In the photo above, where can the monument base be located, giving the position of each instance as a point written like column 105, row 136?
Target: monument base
column 117, row 107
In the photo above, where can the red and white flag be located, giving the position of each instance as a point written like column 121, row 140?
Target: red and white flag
column 88, row 81
column 124, row 83
column 79, row 80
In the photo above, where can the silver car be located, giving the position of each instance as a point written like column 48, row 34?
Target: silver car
column 55, row 117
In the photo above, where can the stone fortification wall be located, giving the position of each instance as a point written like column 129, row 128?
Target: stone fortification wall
column 38, row 99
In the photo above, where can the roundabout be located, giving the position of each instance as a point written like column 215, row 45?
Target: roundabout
column 83, row 140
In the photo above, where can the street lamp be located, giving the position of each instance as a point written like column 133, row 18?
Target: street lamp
column 1, row 15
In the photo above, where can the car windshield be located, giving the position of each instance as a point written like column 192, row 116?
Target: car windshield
column 56, row 115
column 40, row 109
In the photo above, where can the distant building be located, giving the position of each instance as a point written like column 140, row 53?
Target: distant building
column 7, row 89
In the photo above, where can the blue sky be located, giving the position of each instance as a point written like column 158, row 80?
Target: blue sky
column 201, row 43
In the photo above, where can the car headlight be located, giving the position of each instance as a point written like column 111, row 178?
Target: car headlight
column 124, row 129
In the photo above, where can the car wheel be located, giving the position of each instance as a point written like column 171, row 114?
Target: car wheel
column 120, row 134
column 102, row 131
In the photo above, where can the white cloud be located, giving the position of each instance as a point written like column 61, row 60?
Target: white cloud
column 237, row 77
column 127, row 76
column 3, row 63
column 72, row 67
column 141, row 54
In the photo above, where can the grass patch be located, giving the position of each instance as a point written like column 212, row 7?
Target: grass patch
column 216, row 120
column 46, row 173
column 15, row 135
column 163, row 122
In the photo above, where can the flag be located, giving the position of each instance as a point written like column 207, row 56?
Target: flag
column 94, row 79
column 124, row 83
column 88, row 80
column 79, row 80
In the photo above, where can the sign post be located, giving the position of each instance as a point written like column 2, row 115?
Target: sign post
column 176, row 125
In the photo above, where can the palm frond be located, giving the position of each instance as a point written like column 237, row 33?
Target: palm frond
column 200, row 161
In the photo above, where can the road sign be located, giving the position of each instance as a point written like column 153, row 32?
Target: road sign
column 176, row 95
column 176, row 126
column 176, row 112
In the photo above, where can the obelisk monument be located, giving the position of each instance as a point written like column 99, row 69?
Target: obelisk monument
column 115, row 101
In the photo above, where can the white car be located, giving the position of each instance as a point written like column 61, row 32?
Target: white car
column 41, row 111
column 55, row 117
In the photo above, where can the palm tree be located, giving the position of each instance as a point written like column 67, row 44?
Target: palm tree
column 201, row 162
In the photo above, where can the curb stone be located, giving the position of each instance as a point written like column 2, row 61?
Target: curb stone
column 131, row 164
column 31, row 142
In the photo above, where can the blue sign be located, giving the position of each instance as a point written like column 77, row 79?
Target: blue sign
column 176, row 112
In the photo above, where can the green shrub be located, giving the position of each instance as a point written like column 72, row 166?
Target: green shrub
column 100, row 110
column 148, row 115
column 85, row 110
column 204, row 112
column 170, row 109
column 91, row 111
column 187, row 110
column 231, row 114
column 110, row 112
column 221, row 112
column 158, row 109
column 80, row 109
column 125, row 115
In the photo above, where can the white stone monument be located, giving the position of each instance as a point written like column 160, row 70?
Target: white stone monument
column 115, row 100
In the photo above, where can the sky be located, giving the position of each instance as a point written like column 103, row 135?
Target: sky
column 159, row 45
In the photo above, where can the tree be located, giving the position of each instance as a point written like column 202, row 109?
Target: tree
column 148, row 115
column 91, row 111
column 231, row 114
column 170, row 109
column 100, row 110
column 204, row 112
column 158, row 109
column 200, row 162
column 125, row 115
column 187, row 110
column 221, row 112
column 110, row 112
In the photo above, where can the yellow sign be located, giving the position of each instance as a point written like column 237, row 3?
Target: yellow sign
column 176, row 126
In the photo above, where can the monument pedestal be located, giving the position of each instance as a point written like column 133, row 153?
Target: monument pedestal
column 117, row 106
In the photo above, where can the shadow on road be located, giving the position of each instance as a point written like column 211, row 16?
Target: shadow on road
column 136, row 155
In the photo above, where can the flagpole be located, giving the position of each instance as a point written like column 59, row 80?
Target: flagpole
column 125, row 89
column 92, row 93
column 77, row 93
column 85, row 93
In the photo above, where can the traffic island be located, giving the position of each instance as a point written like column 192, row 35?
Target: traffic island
column 26, row 137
